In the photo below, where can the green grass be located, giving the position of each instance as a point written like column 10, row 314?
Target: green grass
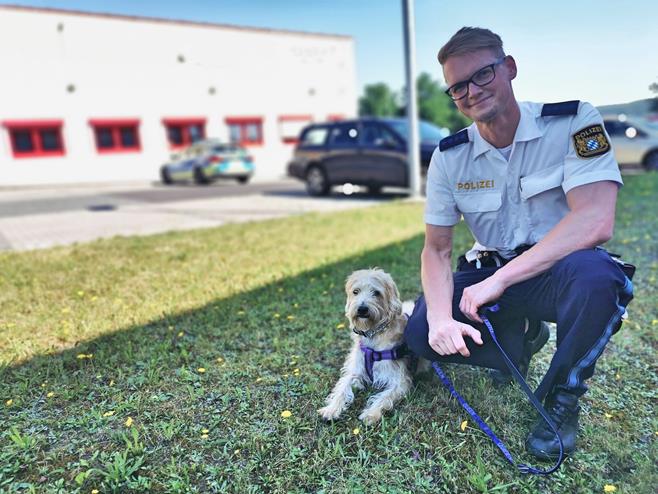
column 250, row 304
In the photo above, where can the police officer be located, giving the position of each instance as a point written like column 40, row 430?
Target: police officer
column 537, row 186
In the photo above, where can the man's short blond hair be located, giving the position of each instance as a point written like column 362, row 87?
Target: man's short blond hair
column 470, row 39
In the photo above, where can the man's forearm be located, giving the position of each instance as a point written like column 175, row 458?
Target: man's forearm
column 436, row 276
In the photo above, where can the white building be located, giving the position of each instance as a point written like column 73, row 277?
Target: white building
column 98, row 97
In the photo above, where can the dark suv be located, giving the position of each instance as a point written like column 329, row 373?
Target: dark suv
column 367, row 151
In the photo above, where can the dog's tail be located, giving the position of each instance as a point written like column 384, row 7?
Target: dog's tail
column 407, row 307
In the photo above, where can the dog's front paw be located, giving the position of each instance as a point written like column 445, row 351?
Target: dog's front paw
column 370, row 417
column 329, row 412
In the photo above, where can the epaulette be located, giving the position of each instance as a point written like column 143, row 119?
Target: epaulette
column 460, row 137
column 557, row 109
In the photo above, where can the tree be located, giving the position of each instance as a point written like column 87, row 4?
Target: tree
column 435, row 106
column 378, row 100
column 654, row 104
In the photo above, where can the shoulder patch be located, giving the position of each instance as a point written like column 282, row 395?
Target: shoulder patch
column 558, row 109
column 591, row 141
column 460, row 137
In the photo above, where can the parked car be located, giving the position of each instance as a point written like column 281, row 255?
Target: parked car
column 208, row 160
column 370, row 151
column 634, row 140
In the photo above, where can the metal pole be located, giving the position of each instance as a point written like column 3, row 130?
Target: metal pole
column 413, row 144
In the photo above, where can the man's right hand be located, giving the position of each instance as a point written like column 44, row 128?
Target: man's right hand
column 447, row 337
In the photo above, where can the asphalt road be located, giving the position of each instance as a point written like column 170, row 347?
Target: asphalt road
column 59, row 200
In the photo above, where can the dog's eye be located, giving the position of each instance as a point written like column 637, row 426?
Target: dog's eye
column 356, row 291
column 376, row 293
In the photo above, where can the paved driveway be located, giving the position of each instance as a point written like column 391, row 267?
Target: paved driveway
column 33, row 218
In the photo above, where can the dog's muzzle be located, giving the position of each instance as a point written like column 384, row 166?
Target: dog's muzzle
column 362, row 312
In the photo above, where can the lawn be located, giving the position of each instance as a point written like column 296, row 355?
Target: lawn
column 164, row 364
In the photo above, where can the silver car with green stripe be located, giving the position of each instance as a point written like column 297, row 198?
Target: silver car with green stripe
column 206, row 161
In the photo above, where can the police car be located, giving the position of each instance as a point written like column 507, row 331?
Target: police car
column 634, row 140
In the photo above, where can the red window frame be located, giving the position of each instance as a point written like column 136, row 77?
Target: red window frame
column 243, row 123
column 184, row 124
column 35, row 127
column 115, row 125
column 293, row 118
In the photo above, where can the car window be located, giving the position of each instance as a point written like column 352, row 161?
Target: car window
column 315, row 136
column 614, row 128
column 376, row 135
column 344, row 136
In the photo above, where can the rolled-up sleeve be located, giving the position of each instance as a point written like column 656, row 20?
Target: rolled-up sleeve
column 440, row 207
column 579, row 170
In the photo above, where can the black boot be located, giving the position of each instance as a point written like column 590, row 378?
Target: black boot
column 563, row 408
column 534, row 339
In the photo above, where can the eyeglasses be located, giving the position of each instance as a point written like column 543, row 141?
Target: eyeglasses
column 481, row 78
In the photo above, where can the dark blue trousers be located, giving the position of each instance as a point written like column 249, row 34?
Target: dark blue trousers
column 585, row 293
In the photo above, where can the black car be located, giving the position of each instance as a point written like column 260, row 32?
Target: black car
column 368, row 151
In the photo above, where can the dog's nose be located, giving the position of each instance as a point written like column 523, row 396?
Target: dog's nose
column 362, row 311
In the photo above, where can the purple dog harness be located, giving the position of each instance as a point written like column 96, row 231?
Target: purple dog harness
column 371, row 356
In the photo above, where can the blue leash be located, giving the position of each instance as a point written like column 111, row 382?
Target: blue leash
column 523, row 468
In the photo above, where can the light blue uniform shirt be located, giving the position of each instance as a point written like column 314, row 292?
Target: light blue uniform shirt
column 511, row 203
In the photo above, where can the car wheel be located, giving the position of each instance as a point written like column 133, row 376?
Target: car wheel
column 164, row 175
column 316, row 181
column 199, row 177
column 651, row 161
column 244, row 179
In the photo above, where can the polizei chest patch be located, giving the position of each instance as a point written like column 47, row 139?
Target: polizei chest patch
column 591, row 141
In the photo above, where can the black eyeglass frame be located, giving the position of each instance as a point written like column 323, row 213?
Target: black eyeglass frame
column 470, row 80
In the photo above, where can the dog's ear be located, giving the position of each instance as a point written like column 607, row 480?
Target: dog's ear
column 392, row 294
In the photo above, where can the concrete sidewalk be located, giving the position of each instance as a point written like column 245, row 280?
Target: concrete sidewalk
column 131, row 217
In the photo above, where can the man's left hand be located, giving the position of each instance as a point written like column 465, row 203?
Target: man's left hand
column 475, row 296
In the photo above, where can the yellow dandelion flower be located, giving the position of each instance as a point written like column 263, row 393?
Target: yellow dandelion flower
column 609, row 488
column 617, row 376
column 296, row 371
column 220, row 360
column 43, row 385
column 293, row 362
column 236, row 452
column 356, row 431
column 111, row 382
column 608, row 415
column 108, row 414
column 276, row 315
column 340, row 326
column 50, row 394
column 201, row 370
column 654, row 322
column 204, row 431
column 94, row 491
column 290, row 318
column 463, row 425
column 129, row 421
column 240, row 313
column 181, row 334
column 80, row 356
column 81, row 293
column 204, row 436
column 170, row 328
column 9, row 402
column 295, row 305
column 286, row 414
column 94, row 298
column 285, row 375
column 259, row 379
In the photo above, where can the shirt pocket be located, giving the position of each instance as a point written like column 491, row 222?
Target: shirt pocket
column 541, row 181
column 544, row 201
column 480, row 211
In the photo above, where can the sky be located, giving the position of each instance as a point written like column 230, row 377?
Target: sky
column 604, row 52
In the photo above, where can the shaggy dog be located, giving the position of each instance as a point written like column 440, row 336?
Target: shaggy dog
column 378, row 356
